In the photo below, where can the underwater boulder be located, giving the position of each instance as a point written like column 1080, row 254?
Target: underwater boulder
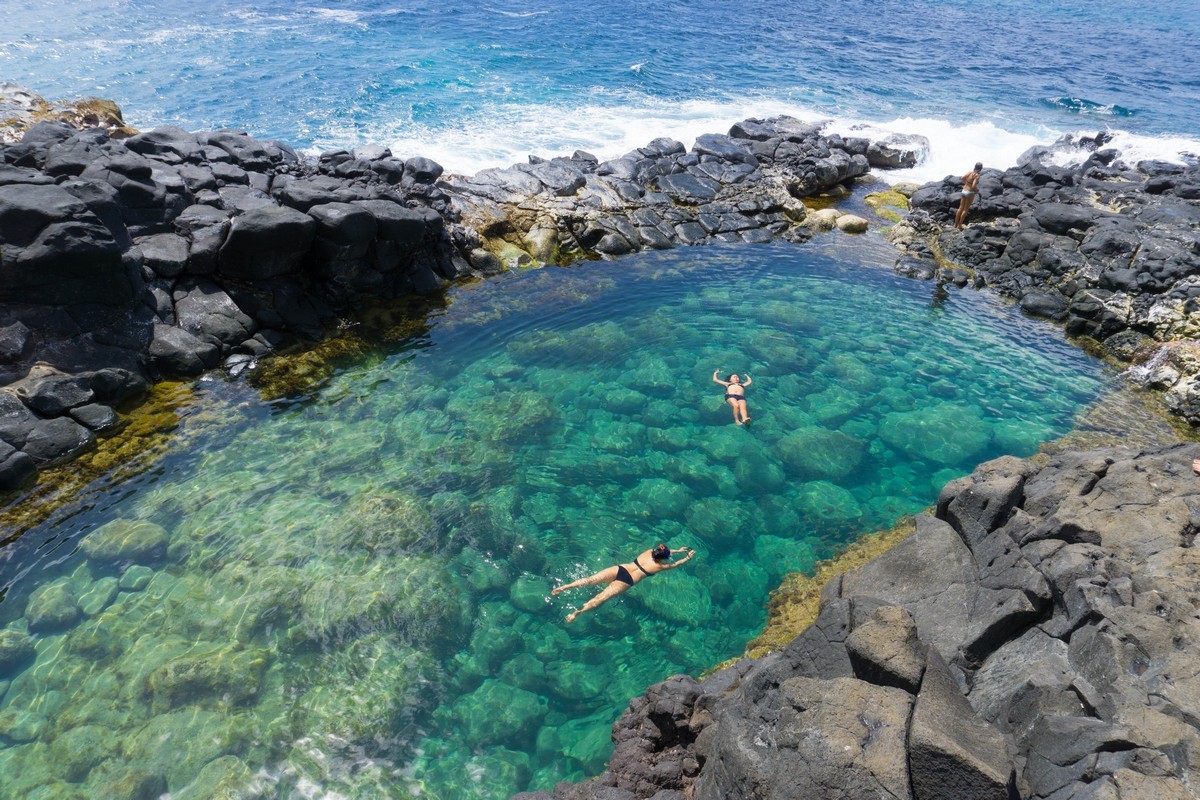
column 658, row 498
column 51, row 607
column 219, row 674
column 815, row 453
column 75, row 752
column 365, row 694
column 16, row 648
column 944, row 433
column 825, row 502
column 125, row 540
column 498, row 713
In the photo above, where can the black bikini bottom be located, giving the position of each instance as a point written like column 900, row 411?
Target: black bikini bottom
column 735, row 397
column 623, row 575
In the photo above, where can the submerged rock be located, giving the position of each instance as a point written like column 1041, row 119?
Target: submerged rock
column 123, row 541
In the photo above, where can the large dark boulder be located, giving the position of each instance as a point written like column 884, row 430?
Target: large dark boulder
column 176, row 352
column 952, row 753
column 54, row 441
column 55, row 251
column 54, row 395
column 151, row 194
column 266, row 242
column 17, row 469
column 168, row 144
column 204, row 310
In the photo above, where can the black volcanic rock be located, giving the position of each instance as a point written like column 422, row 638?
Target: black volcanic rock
column 1055, row 707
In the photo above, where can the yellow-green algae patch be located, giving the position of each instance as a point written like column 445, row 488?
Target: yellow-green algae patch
column 146, row 434
column 299, row 374
column 793, row 606
column 888, row 204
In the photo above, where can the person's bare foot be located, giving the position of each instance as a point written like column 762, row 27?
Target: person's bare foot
column 556, row 590
column 571, row 617
column 739, row 422
column 1196, row 466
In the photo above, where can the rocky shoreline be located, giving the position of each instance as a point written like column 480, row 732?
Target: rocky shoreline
column 164, row 254
column 1033, row 638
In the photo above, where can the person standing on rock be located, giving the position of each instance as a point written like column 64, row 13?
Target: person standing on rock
column 622, row 576
column 970, row 191
column 735, row 394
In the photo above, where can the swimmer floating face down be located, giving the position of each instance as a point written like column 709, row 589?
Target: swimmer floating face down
column 622, row 576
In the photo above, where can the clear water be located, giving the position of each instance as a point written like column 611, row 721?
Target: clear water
column 483, row 84
column 355, row 598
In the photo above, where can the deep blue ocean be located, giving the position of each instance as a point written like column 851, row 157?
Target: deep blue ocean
column 485, row 84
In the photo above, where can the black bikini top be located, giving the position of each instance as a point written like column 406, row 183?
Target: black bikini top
column 638, row 564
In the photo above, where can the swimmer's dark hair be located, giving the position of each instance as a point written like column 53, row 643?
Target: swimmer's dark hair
column 978, row 165
column 660, row 552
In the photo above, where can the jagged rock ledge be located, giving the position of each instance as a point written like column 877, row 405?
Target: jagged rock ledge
column 1034, row 638
column 129, row 257
column 1109, row 249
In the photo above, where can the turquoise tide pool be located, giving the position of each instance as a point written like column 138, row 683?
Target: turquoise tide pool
column 347, row 593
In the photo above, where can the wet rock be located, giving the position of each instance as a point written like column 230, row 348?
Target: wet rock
column 16, row 650
column 174, row 351
column 96, row 417
column 98, row 596
column 17, row 469
column 227, row 675
column 55, row 441
column 51, row 607
column 122, row 541
column 849, row 223
column 497, row 712
column 53, row 395
column 898, row 151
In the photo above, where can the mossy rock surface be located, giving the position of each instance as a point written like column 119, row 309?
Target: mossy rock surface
column 223, row 675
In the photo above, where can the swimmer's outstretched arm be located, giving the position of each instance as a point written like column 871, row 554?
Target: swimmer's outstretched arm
column 748, row 380
column 718, row 380
column 690, row 552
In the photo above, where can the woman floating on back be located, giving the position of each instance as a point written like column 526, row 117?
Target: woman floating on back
column 735, row 394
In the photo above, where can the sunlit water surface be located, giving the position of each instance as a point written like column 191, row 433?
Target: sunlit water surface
column 348, row 594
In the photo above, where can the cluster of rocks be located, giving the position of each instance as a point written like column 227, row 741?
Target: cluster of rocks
column 744, row 186
column 167, row 253
column 1033, row 639
column 1109, row 249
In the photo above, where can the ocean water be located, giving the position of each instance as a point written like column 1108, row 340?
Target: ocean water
column 345, row 592
column 482, row 84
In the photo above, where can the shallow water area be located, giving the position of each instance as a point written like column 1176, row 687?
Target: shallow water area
column 347, row 593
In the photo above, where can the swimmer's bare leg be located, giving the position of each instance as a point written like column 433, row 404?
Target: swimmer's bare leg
column 603, row 576
column 611, row 591
column 734, row 404
column 1196, row 466
column 741, row 406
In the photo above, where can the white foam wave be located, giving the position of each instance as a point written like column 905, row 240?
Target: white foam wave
column 504, row 135
column 344, row 16
column 1136, row 147
column 516, row 14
